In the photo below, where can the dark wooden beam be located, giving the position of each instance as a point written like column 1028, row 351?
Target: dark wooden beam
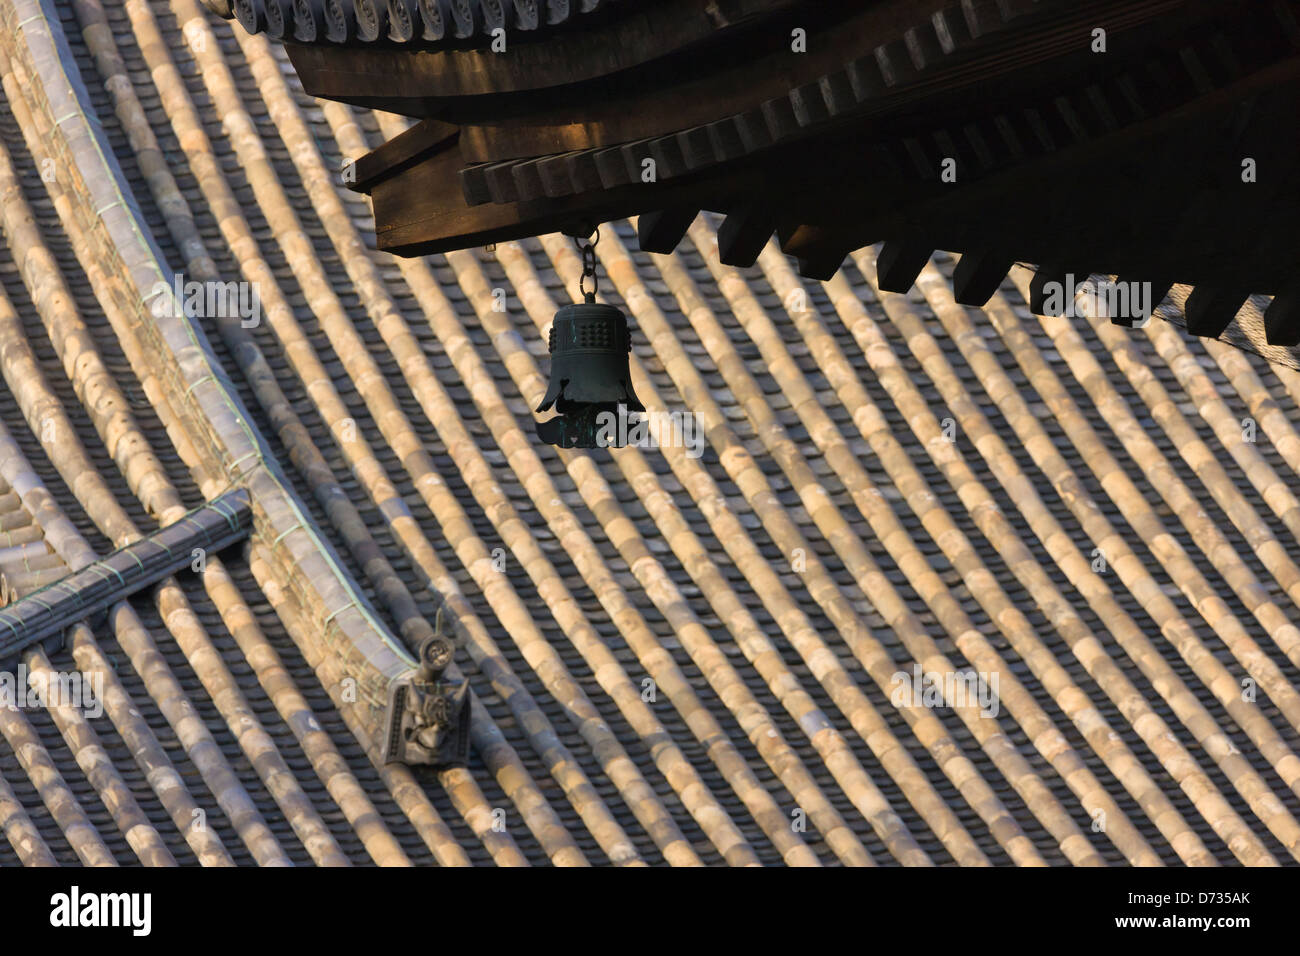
column 743, row 234
column 978, row 275
column 1211, row 307
column 900, row 262
column 1127, row 221
column 1159, row 291
column 644, row 34
column 1040, row 285
column 859, row 65
column 1024, row 206
column 417, row 214
column 1282, row 320
column 819, row 252
column 660, row 231
column 822, row 266
column 403, row 151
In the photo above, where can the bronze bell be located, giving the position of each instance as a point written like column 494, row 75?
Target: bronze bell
column 591, row 386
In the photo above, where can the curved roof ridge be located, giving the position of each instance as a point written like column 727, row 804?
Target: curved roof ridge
column 196, row 387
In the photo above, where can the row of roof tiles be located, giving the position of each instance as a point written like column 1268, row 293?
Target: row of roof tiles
column 675, row 659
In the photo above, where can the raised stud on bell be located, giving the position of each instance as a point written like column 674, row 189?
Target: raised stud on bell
column 591, row 384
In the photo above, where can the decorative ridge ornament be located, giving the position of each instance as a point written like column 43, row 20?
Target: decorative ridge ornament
column 591, row 384
column 428, row 711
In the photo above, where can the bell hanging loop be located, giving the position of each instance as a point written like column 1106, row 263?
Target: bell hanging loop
column 591, row 382
column 588, row 268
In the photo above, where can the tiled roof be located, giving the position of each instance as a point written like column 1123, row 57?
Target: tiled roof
column 426, row 23
column 674, row 659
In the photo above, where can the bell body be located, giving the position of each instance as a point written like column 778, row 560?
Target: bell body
column 589, row 347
